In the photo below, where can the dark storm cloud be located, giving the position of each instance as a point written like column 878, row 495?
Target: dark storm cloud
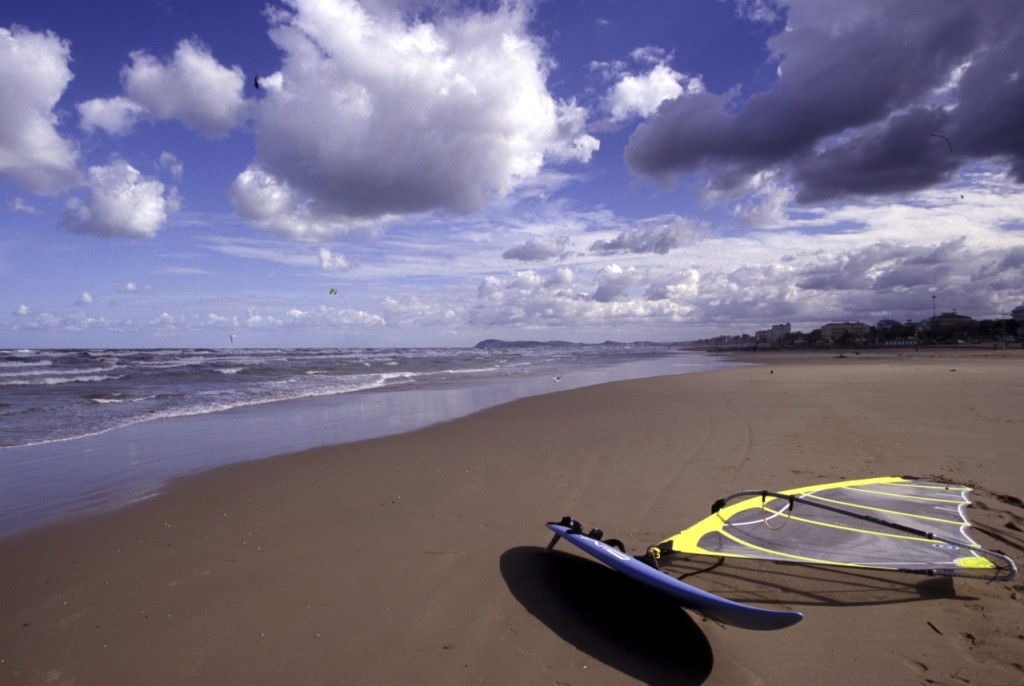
column 899, row 155
column 860, row 89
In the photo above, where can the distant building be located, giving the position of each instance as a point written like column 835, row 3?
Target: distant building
column 773, row 336
column 887, row 324
column 951, row 322
column 851, row 330
column 1017, row 314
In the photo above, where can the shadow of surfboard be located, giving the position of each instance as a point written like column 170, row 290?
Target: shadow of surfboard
column 612, row 618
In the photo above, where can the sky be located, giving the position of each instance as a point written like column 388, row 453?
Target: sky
column 405, row 173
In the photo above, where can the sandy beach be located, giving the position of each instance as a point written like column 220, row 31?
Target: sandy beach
column 418, row 558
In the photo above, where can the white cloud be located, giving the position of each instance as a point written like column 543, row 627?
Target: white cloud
column 765, row 11
column 192, row 88
column 656, row 235
column 329, row 262
column 538, row 248
column 532, row 300
column 34, row 72
column 22, row 311
column 271, row 205
column 122, row 202
column 641, row 95
column 614, row 283
column 377, row 116
column 19, row 205
column 413, row 310
column 684, row 285
column 265, row 250
column 116, row 116
column 845, row 262
column 172, row 164
column 84, row 299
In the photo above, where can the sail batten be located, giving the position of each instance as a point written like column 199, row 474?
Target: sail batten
column 891, row 523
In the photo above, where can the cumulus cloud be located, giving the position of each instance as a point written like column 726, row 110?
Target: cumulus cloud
column 84, row 299
column 532, row 299
column 379, row 115
column 414, row 310
column 272, row 205
column 682, row 285
column 642, row 94
column 860, row 88
column 659, row 235
column 34, row 70
column 192, row 87
column 116, row 116
column 537, row 249
column 744, row 283
column 121, row 202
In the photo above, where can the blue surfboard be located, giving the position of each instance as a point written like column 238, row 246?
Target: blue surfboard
column 714, row 606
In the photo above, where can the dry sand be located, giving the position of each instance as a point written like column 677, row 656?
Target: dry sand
column 417, row 558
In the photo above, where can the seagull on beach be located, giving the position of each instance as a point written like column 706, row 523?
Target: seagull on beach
column 556, row 379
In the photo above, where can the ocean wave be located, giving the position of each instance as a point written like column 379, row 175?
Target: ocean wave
column 59, row 380
column 106, row 398
column 63, row 394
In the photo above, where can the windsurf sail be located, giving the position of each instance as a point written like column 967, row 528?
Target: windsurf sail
column 890, row 523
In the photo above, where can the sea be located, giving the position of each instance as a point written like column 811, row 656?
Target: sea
column 84, row 431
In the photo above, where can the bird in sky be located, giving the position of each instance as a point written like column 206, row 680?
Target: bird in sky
column 948, row 142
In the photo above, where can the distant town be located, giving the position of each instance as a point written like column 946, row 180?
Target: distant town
column 947, row 328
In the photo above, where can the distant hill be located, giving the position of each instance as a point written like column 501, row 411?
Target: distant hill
column 495, row 343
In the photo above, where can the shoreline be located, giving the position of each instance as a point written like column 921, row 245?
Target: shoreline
column 416, row 556
column 107, row 470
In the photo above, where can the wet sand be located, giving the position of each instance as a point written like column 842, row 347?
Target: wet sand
column 418, row 558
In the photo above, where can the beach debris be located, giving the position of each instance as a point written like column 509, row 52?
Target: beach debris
column 934, row 628
column 333, row 291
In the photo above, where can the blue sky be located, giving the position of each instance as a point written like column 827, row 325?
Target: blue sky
column 570, row 169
